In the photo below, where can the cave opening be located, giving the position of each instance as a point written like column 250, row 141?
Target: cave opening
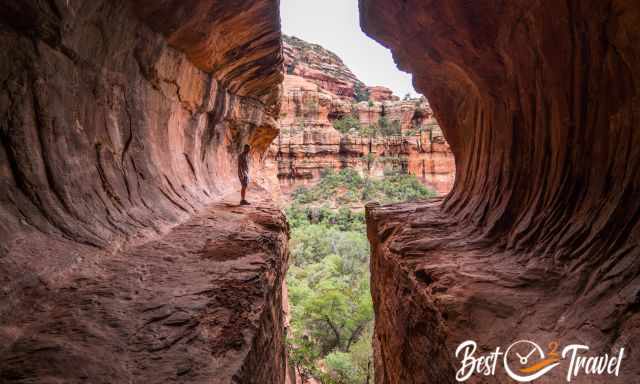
column 126, row 254
column 357, row 132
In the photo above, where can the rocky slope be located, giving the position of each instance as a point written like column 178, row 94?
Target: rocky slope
column 539, row 237
column 318, row 91
column 319, row 66
column 120, row 120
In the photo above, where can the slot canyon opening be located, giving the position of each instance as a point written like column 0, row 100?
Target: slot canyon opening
column 352, row 131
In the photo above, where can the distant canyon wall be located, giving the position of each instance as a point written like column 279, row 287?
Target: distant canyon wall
column 319, row 90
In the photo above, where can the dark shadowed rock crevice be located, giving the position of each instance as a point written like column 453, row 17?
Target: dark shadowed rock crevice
column 539, row 237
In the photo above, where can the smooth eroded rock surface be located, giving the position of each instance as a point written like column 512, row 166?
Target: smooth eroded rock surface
column 539, row 237
column 120, row 126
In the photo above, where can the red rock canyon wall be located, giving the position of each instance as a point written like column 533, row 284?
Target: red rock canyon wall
column 318, row 90
column 118, row 121
column 539, row 237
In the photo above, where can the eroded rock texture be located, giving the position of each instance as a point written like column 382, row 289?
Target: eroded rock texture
column 319, row 90
column 118, row 121
column 539, row 237
column 202, row 304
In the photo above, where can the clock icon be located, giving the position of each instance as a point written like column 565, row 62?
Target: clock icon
column 525, row 361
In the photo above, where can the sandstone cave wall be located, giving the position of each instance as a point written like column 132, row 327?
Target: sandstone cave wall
column 120, row 124
column 539, row 102
column 548, row 91
column 109, row 130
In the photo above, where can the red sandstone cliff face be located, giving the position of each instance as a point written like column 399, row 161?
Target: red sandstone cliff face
column 539, row 237
column 319, row 66
column 118, row 121
column 378, row 93
column 318, row 91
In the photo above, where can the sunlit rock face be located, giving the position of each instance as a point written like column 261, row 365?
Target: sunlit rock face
column 318, row 90
column 378, row 93
column 539, row 237
column 319, row 66
column 118, row 121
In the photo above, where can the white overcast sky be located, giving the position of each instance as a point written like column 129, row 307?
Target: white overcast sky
column 335, row 25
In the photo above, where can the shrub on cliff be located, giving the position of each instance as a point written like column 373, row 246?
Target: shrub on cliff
column 347, row 186
column 361, row 93
column 347, row 124
column 310, row 107
column 388, row 128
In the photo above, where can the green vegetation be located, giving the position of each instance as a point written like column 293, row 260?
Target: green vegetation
column 384, row 127
column 328, row 279
column 347, row 186
column 347, row 124
column 412, row 132
column 310, row 107
column 388, row 128
column 361, row 93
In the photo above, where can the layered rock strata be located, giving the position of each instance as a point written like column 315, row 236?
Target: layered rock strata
column 318, row 92
column 539, row 237
column 319, row 66
column 118, row 121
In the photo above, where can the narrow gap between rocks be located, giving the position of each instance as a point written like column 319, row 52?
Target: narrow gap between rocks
column 343, row 144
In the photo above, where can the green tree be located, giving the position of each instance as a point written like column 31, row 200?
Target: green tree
column 388, row 128
column 361, row 354
column 340, row 367
column 331, row 302
column 361, row 93
column 329, row 294
column 347, row 124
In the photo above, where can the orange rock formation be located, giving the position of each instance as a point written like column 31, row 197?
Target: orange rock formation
column 318, row 91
